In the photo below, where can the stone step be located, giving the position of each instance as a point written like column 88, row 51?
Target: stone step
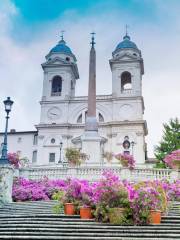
column 36, row 220
column 35, row 203
column 88, row 234
column 89, row 230
column 171, row 217
column 28, row 206
column 83, row 225
column 42, row 216
column 81, row 238
column 9, row 211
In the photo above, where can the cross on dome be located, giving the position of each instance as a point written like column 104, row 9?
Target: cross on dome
column 62, row 35
column 126, row 29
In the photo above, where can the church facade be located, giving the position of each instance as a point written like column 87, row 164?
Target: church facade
column 63, row 114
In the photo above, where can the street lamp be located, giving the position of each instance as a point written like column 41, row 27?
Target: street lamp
column 8, row 104
column 60, row 147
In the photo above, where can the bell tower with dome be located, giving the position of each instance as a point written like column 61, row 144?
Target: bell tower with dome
column 127, row 69
column 60, row 73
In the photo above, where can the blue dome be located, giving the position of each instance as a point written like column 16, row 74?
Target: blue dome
column 126, row 43
column 61, row 48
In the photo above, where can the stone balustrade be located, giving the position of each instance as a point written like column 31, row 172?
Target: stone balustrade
column 95, row 172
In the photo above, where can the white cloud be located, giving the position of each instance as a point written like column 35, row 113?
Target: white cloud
column 21, row 75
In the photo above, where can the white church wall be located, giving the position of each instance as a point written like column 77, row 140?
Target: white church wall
column 127, row 109
column 22, row 143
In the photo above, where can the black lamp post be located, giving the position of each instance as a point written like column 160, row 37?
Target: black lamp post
column 60, row 147
column 8, row 104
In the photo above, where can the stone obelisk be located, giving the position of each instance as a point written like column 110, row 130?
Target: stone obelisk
column 91, row 139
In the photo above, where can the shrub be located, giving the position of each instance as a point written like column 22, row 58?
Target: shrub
column 173, row 159
column 16, row 161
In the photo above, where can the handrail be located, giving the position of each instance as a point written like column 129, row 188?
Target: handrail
column 95, row 172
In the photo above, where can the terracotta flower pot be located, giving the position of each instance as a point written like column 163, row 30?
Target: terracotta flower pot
column 85, row 212
column 69, row 208
column 155, row 216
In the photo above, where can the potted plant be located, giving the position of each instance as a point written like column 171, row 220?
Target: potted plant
column 118, row 206
column 112, row 204
column 75, row 157
column 70, row 197
column 85, row 207
column 69, row 206
column 155, row 211
column 146, row 205
column 126, row 160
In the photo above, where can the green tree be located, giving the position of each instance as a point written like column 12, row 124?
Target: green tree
column 170, row 141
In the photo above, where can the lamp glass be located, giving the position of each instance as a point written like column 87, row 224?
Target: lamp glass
column 8, row 104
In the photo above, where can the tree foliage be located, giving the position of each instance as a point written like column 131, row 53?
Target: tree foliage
column 170, row 141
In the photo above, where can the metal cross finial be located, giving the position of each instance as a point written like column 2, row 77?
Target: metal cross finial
column 93, row 42
column 62, row 34
column 126, row 28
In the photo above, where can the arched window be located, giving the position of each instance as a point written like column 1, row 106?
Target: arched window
column 56, row 86
column 79, row 120
column 126, row 83
column 101, row 118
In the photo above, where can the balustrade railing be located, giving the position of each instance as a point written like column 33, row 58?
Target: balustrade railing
column 94, row 173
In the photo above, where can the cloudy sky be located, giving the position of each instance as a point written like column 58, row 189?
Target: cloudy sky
column 30, row 28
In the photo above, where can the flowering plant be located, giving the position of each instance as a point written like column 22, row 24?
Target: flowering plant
column 78, row 191
column 75, row 157
column 126, row 160
column 110, row 194
column 173, row 159
column 86, row 200
column 107, row 193
column 16, row 161
column 31, row 190
column 172, row 190
column 146, row 199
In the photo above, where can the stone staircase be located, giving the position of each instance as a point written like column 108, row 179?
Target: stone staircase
column 35, row 220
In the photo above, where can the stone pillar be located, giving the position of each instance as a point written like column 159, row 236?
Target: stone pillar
column 91, row 122
column 91, row 139
column 91, row 146
column 6, row 182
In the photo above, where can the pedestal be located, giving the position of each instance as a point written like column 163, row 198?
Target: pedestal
column 91, row 142
column 6, row 182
